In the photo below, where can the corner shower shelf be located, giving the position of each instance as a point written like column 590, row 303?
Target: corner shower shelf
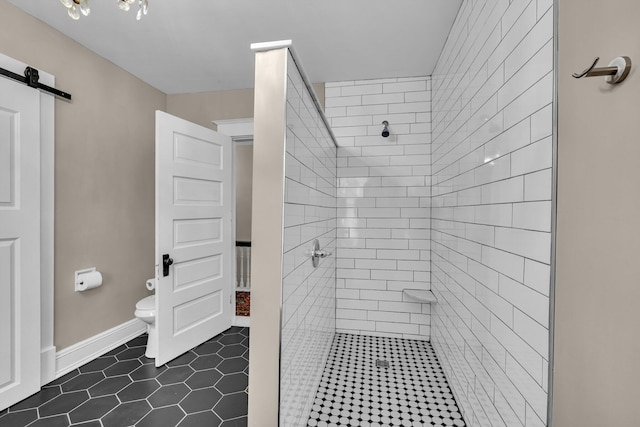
column 420, row 295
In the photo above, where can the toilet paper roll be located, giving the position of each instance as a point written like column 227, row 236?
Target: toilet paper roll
column 151, row 284
column 89, row 280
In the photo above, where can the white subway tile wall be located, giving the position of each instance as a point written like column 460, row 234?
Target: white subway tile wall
column 308, row 294
column 491, row 210
column 383, row 204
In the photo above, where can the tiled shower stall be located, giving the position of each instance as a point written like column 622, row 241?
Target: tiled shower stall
column 457, row 200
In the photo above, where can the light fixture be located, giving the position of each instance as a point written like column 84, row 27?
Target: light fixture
column 76, row 7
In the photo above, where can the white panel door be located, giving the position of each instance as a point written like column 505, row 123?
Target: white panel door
column 19, row 242
column 193, row 235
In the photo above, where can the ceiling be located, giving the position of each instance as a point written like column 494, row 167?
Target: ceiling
column 188, row 46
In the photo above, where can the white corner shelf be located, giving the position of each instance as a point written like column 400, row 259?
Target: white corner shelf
column 420, row 295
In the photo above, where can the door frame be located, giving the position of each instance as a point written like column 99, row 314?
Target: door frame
column 47, row 189
column 241, row 133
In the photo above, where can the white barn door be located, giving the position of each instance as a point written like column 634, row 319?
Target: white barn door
column 194, row 251
column 19, row 242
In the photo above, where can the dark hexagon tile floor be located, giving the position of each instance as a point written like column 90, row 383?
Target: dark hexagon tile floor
column 204, row 387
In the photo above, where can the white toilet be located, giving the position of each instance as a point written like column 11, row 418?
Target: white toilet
column 146, row 311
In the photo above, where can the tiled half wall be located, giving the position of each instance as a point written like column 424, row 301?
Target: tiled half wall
column 491, row 210
column 308, row 293
column 383, row 204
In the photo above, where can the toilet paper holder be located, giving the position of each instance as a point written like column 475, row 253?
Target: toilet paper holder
column 80, row 277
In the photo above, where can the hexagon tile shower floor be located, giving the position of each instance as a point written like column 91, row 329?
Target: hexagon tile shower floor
column 204, row 387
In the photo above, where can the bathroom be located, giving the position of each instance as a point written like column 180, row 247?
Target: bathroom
column 102, row 208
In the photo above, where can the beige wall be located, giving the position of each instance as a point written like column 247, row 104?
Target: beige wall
column 205, row 107
column 104, row 202
column 597, row 324
column 244, row 173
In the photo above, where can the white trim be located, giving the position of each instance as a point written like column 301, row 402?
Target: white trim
column 47, row 365
column 47, row 193
column 241, row 133
column 47, row 165
column 234, row 272
column 240, row 130
column 85, row 351
column 264, row 46
column 237, row 142
column 242, row 321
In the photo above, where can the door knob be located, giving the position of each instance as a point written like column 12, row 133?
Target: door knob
column 166, row 263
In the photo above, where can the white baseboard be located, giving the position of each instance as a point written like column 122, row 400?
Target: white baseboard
column 47, row 365
column 85, row 351
column 242, row 321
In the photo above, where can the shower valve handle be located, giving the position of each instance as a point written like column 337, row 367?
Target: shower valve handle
column 316, row 253
column 322, row 253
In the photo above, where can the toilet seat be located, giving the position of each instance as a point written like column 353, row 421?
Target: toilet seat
column 147, row 304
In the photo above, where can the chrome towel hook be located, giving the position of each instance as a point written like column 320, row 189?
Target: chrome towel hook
column 616, row 72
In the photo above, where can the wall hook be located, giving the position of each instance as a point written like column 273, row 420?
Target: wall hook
column 616, row 72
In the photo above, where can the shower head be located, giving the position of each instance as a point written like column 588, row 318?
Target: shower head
column 385, row 130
